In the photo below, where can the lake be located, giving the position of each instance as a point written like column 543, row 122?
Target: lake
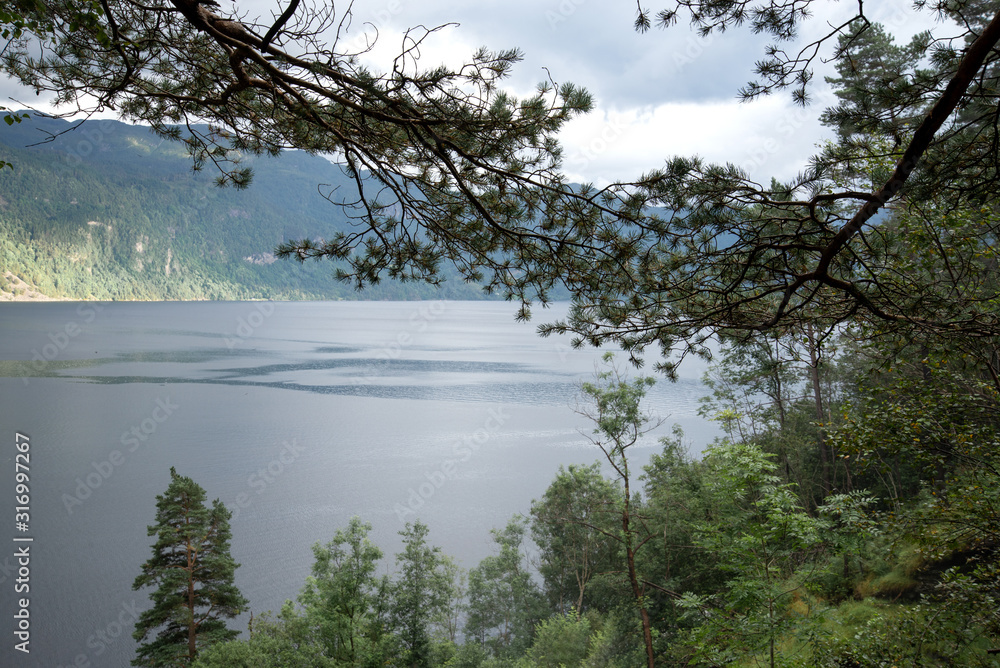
column 298, row 416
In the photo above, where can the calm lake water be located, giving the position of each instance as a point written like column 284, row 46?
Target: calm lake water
column 297, row 416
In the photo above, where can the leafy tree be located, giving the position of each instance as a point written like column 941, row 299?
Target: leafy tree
column 572, row 525
column 757, row 532
column 270, row 645
column 614, row 406
column 504, row 601
column 949, row 256
column 344, row 604
column 468, row 655
column 561, row 641
column 193, row 574
column 753, row 383
column 781, row 390
column 447, row 622
column 421, row 594
column 677, row 499
column 944, row 424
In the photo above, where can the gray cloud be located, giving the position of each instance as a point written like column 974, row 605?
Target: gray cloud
column 594, row 45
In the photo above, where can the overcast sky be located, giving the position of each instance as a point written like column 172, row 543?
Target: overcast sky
column 659, row 94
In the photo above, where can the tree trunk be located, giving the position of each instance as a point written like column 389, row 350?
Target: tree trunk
column 647, row 631
column 192, row 627
column 824, row 455
column 637, row 592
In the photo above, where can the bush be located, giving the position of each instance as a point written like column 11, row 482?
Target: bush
column 561, row 641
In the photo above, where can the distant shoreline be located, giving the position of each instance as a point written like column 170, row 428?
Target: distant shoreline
column 30, row 293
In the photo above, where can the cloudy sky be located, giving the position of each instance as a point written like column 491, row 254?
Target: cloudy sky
column 659, row 94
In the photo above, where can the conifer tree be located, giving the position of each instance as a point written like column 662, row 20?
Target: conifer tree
column 192, row 571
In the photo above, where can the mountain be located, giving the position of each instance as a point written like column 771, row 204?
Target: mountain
column 106, row 210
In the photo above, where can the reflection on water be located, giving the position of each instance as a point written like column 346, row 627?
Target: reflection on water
column 350, row 373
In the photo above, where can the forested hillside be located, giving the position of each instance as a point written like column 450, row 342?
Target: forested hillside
column 110, row 211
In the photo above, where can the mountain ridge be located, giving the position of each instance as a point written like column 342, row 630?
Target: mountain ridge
column 107, row 210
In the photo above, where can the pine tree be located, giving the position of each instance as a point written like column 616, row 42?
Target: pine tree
column 193, row 572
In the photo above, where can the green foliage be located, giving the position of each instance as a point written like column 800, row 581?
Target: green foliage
column 617, row 412
column 421, row 595
column 614, row 406
column 193, row 574
column 269, row 646
column 347, row 615
column 22, row 16
column 605, row 649
column 504, row 601
column 468, row 655
column 759, row 534
column 344, row 604
column 561, row 641
column 677, row 500
column 574, row 527
column 931, row 635
column 753, row 384
column 920, row 432
column 943, row 423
